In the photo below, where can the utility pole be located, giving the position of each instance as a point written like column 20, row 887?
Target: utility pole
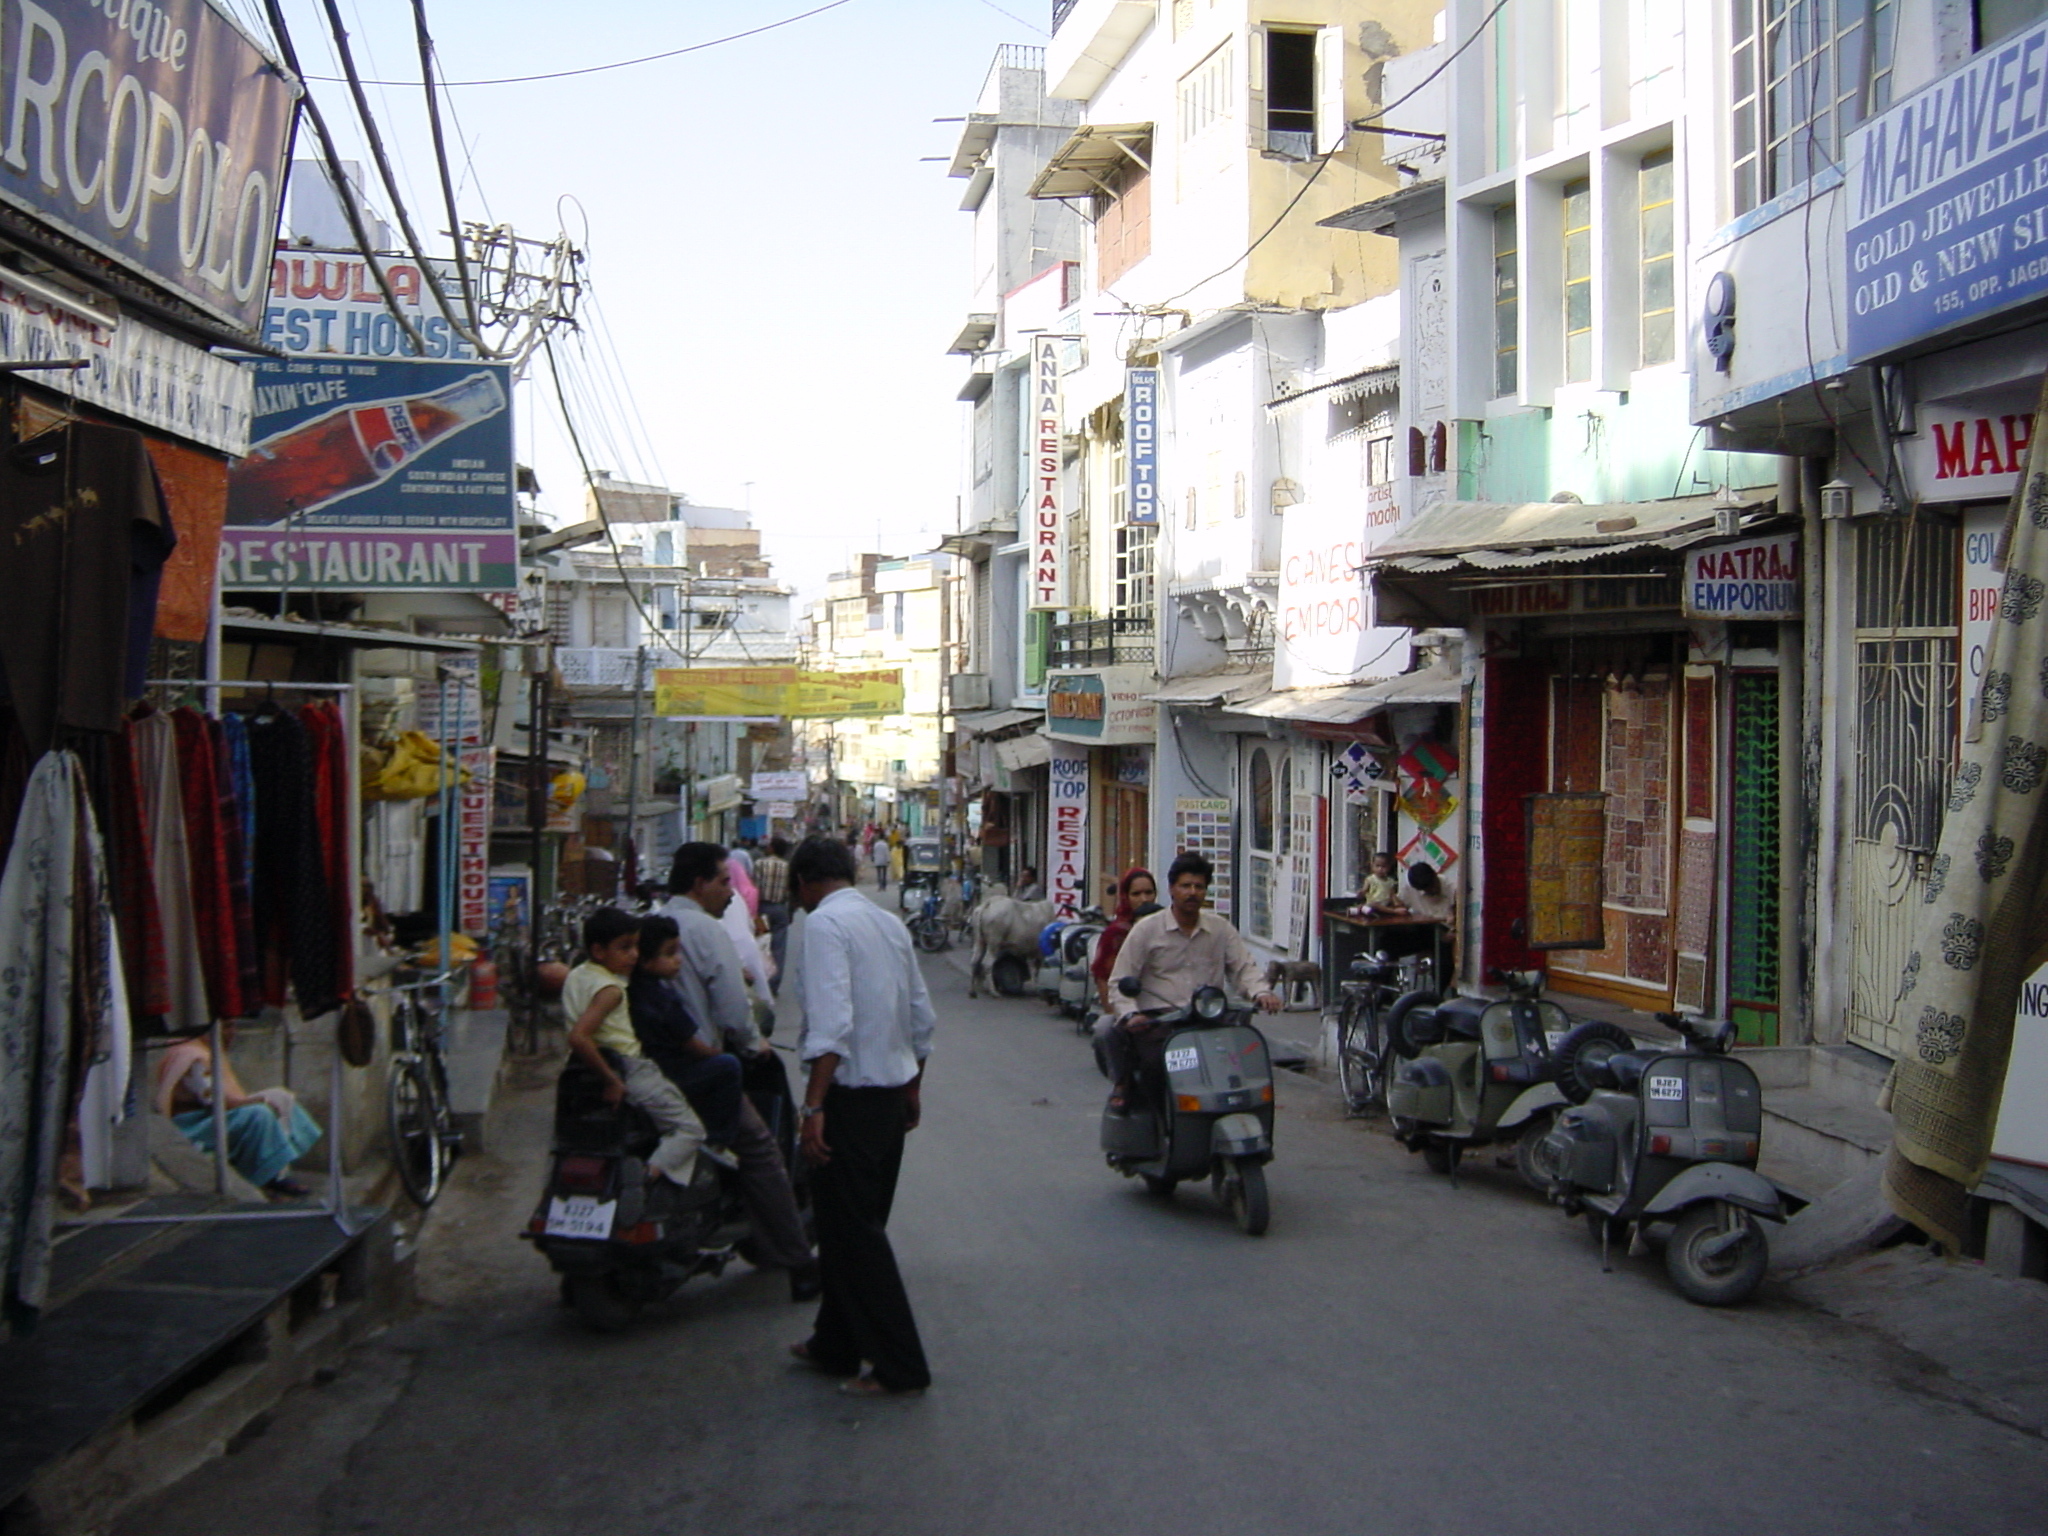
column 632, row 848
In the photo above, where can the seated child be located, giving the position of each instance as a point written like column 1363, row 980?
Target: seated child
column 1381, row 892
column 709, row 1077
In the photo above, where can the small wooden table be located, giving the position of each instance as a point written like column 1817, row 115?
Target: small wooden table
column 1346, row 936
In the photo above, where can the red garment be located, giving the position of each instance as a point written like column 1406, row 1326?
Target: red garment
column 1111, row 944
column 136, row 917
column 327, row 748
column 207, row 853
column 235, row 844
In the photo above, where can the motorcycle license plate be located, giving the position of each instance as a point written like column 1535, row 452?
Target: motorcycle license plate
column 1183, row 1059
column 580, row 1216
column 1667, row 1088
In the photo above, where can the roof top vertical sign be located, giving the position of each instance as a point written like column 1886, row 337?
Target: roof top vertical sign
column 1048, row 530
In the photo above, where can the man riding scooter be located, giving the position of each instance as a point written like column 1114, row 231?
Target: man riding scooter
column 1171, row 954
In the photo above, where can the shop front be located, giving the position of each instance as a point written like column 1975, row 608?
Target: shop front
column 1623, row 817
column 1101, row 724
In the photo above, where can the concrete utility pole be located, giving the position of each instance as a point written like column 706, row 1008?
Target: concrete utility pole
column 632, row 848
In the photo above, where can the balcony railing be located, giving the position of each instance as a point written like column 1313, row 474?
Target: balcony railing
column 1102, row 642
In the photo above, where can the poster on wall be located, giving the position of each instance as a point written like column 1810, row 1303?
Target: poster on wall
column 1203, row 826
column 1067, row 831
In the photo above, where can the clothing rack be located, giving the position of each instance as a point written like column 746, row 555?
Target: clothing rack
column 334, row 1204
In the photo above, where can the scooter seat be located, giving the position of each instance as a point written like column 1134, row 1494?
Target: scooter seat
column 1459, row 1017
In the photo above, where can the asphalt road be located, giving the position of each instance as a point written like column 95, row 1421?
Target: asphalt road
column 1394, row 1356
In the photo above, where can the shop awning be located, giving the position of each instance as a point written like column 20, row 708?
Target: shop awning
column 1507, row 536
column 1213, row 688
column 1351, row 702
column 1021, row 752
column 1091, row 161
column 986, row 722
column 1359, row 385
column 340, row 634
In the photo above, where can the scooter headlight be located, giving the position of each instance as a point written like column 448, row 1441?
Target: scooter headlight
column 1210, row 1003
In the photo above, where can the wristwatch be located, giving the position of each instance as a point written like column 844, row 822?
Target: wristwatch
column 811, row 1109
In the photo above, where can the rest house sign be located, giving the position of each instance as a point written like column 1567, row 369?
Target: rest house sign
column 1048, row 530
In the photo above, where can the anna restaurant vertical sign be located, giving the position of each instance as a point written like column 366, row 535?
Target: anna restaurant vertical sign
column 1048, row 522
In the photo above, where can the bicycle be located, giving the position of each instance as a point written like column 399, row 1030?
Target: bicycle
column 1365, row 1054
column 417, row 1110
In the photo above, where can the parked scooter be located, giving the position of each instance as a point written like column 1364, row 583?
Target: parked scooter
column 1063, row 978
column 1476, row 1071
column 620, row 1238
column 1211, row 1115
column 1667, row 1136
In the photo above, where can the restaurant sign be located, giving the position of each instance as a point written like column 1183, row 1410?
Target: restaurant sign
column 1948, row 200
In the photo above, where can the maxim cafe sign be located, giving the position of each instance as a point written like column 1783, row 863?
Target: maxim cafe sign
column 1047, row 542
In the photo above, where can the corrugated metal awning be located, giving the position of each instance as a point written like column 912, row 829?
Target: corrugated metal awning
column 1351, row 702
column 1213, row 688
column 986, row 722
column 1091, row 161
column 1021, row 752
column 1491, row 536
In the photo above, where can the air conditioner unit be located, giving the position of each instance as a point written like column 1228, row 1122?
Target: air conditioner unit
column 967, row 690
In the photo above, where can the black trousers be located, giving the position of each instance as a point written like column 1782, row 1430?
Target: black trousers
column 865, row 1314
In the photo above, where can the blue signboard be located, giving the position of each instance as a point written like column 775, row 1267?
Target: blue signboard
column 1141, row 443
column 1948, row 201
column 153, row 131
column 375, row 476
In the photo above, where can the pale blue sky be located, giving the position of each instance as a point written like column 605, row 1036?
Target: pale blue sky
column 779, row 272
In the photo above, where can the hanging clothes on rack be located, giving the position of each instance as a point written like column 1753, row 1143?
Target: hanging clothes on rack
column 134, row 884
column 236, row 821
column 294, row 911
column 154, row 740
column 206, row 846
column 327, row 747
column 87, row 531
column 59, row 1016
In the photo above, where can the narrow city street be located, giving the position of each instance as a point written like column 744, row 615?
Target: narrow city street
column 1395, row 1356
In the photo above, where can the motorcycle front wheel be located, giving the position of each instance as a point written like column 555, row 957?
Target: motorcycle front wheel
column 1246, row 1190
column 1717, row 1254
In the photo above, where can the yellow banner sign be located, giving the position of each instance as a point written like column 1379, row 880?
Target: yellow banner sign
column 789, row 692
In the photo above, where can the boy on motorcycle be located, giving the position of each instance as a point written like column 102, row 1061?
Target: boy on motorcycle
column 1173, row 954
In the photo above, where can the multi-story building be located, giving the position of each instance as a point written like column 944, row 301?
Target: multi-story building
column 1871, row 309
column 675, row 585
column 889, row 615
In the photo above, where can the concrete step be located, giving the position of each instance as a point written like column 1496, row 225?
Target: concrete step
column 1815, row 1140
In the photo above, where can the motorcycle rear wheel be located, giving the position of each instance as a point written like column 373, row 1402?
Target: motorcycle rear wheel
column 930, row 934
column 1248, row 1200
column 1439, row 1156
column 1532, row 1159
column 1156, row 1184
column 1721, row 1279
column 601, row 1303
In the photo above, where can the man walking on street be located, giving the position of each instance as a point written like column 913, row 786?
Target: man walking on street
column 771, row 875
column 867, row 1031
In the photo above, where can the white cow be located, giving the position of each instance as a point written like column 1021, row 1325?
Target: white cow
column 1003, row 925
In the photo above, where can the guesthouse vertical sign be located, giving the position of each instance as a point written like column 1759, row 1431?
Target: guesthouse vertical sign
column 1048, row 523
column 1141, row 445
column 1067, row 853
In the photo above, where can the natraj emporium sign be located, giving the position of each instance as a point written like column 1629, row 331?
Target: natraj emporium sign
column 1106, row 708
column 1948, row 200
column 1751, row 579
column 1047, row 540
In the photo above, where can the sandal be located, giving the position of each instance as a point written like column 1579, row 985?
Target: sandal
column 867, row 1386
column 801, row 1353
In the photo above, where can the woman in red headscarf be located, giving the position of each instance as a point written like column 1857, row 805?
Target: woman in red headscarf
column 1137, row 893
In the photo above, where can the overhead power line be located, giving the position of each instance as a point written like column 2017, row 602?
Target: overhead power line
column 598, row 69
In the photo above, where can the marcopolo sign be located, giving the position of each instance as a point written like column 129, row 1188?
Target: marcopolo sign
column 153, row 131
column 1752, row 579
column 1948, row 200
column 1108, row 707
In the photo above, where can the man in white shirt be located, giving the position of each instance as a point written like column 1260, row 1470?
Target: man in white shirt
column 867, row 1029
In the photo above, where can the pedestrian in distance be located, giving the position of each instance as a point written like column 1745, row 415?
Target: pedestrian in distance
column 879, row 853
column 866, row 1034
